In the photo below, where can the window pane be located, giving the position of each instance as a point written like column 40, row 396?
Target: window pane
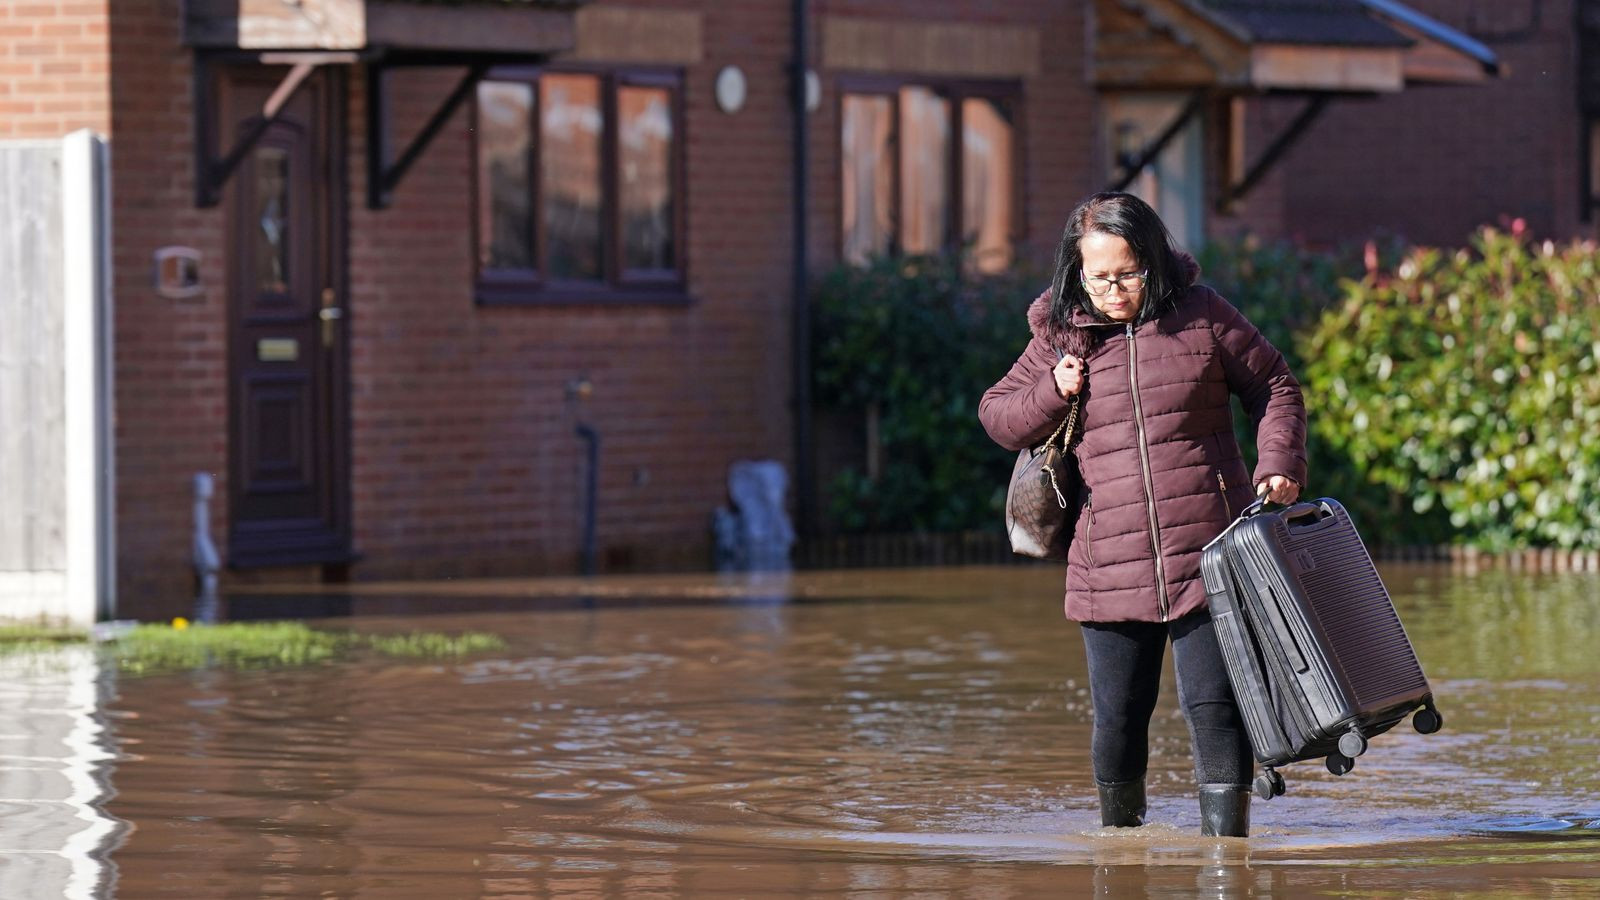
column 272, row 220
column 1173, row 184
column 644, row 156
column 569, row 174
column 987, row 183
column 924, row 170
column 505, row 135
column 868, row 186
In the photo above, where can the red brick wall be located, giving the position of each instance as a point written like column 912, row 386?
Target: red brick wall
column 1434, row 162
column 53, row 65
column 1058, row 136
column 464, row 455
column 171, row 363
column 465, row 460
column 1059, row 131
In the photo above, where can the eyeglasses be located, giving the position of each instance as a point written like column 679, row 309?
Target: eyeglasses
column 1102, row 286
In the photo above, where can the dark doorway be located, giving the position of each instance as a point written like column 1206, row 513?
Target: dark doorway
column 289, row 420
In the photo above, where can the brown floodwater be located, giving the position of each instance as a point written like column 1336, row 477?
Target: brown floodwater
column 879, row 734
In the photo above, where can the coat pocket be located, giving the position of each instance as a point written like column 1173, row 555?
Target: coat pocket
column 1222, row 491
column 1088, row 530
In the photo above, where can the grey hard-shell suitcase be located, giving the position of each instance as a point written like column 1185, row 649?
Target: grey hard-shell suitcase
column 1318, row 658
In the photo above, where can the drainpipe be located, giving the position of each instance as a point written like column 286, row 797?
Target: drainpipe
column 207, row 562
column 801, row 308
column 580, row 389
column 591, row 487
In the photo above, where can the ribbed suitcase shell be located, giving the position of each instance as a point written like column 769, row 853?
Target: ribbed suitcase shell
column 1311, row 640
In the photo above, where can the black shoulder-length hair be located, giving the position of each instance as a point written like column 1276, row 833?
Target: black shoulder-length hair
column 1131, row 219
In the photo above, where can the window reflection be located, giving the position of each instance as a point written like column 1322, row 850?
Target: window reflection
column 505, row 138
column 868, row 182
column 272, row 219
column 570, row 130
column 644, row 131
column 1172, row 184
column 578, row 184
column 987, row 180
column 924, row 170
column 900, row 192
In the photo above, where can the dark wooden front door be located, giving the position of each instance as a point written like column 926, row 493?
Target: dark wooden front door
column 288, row 373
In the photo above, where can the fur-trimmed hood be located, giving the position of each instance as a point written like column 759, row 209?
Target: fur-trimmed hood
column 1075, row 335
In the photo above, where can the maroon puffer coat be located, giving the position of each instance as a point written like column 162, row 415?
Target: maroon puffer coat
column 1162, row 472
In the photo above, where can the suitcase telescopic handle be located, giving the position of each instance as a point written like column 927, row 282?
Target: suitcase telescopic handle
column 1299, row 516
column 1256, row 506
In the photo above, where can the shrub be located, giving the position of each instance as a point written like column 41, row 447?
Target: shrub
column 918, row 342
column 1281, row 288
column 1452, row 396
column 1465, row 385
column 1284, row 291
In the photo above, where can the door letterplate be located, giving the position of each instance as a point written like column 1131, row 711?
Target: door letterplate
column 277, row 350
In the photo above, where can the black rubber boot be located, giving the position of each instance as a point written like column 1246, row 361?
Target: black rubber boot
column 1225, row 810
column 1121, row 803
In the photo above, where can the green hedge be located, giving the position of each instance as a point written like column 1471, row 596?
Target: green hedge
column 1464, row 386
column 920, row 343
column 1453, row 396
column 1284, row 290
column 1281, row 289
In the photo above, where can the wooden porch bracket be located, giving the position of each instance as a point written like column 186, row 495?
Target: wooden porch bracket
column 382, row 176
column 1147, row 155
column 213, row 171
column 1279, row 146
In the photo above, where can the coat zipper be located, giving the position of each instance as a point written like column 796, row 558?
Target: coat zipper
column 1222, row 488
column 1149, row 483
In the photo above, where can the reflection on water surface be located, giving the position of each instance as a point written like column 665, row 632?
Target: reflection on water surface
column 862, row 746
column 53, row 776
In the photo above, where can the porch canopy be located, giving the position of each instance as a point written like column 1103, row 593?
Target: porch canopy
column 378, row 34
column 1225, row 50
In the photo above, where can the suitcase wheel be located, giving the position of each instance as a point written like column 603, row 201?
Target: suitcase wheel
column 1339, row 764
column 1427, row 720
column 1269, row 784
column 1352, row 744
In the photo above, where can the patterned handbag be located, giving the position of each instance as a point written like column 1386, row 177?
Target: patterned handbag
column 1041, row 507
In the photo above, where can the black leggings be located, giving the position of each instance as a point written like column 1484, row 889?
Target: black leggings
column 1124, row 678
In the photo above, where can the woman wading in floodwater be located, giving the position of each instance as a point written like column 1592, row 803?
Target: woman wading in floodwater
column 1155, row 358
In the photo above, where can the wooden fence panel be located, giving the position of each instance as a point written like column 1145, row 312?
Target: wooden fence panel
column 32, row 415
column 55, row 444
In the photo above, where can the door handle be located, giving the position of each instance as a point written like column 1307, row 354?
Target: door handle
column 329, row 314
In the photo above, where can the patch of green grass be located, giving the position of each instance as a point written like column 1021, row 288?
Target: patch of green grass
column 39, row 634
column 150, row 649
column 235, row 645
column 18, row 639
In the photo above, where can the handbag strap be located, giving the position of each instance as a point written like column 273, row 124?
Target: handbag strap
column 1063, row 431
column 1072, row 413
column 1066, row 425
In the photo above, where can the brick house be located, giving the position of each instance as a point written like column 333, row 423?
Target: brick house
column 430, row 241
column 1432, row 165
